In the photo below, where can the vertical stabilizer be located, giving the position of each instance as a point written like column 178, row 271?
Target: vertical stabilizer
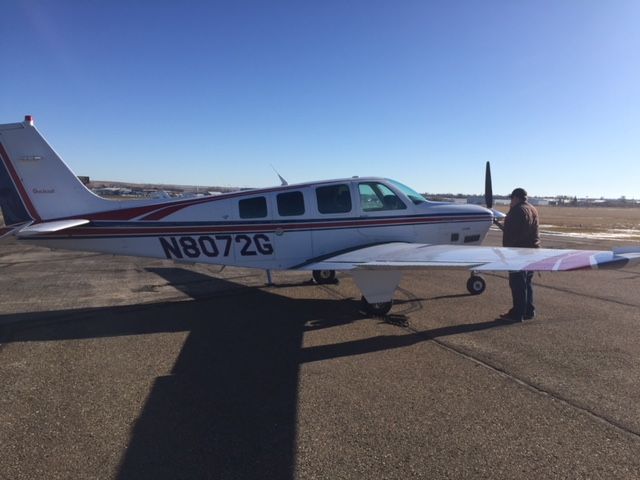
column 13, row 208
column 35, row 184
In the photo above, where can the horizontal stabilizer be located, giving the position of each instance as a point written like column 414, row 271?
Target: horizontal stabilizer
column 50, row 227
column 12, row 230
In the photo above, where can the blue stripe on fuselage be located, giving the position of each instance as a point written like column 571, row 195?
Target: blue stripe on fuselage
column 105, row 229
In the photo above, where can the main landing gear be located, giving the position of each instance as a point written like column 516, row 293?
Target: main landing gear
column 376, row 309
column 379, row 286
column 476, row 284
column 324, row 277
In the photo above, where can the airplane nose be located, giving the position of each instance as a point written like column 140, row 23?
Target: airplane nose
column 497, row 214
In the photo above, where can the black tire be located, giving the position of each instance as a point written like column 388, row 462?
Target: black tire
column 323, row 277
column 476, row 285
column 376, row 309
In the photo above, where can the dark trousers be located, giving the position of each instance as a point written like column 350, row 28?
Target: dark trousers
column 522, row 294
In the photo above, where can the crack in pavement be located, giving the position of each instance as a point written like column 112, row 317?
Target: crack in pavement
column 536, row 388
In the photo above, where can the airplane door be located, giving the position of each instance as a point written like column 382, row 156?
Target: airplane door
column 292, row 237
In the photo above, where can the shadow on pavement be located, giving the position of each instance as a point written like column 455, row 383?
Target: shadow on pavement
column 229, row 407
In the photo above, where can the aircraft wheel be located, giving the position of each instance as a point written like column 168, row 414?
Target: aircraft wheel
column 476, row 285
column 323, row 277
column 376, row 309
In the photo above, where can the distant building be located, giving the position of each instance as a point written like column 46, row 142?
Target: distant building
column 112, row 191
column 539, row 201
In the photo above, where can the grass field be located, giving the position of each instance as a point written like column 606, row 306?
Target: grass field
column 603, row 218
column 589, row 220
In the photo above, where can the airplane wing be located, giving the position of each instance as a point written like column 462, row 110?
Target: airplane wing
column 49, row 227
column 395, row 256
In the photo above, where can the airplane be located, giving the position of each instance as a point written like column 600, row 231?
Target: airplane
column 369, row 227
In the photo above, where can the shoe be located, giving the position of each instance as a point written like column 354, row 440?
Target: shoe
column 531, row 316
column 509, row 317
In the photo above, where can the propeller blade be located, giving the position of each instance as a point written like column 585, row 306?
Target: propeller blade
column 488, row 189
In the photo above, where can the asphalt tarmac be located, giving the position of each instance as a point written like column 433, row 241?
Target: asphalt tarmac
column 116, row 367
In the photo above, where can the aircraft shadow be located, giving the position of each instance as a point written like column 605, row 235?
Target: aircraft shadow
column 455, row 295
column 229, row 407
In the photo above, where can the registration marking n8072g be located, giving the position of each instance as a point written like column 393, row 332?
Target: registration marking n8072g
column 216, row 245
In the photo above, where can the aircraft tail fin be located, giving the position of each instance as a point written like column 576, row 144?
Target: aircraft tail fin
column 35, row 184
column 11, row 204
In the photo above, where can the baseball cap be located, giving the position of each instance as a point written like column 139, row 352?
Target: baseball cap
column 519, row 193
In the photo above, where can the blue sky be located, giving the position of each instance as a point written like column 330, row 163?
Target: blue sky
column 213, row 93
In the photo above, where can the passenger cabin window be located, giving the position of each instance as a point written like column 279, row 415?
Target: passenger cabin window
column 334, row 199
column 290, row 203
column 375, row 197
column 253, row 207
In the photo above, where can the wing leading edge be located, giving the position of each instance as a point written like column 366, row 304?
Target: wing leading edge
column 423, row 256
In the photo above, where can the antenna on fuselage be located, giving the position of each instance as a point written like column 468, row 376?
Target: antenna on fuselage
column 283, row 182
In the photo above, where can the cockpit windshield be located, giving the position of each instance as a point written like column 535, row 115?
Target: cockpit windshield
column 414, row 196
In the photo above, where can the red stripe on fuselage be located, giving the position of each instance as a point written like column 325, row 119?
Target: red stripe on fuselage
column 175, row 207
column 18, row 184
column 158, row 211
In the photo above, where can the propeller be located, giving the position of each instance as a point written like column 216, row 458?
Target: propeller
column 488, row 189
column 488, row 197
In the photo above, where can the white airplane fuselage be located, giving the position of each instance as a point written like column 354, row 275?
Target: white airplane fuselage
column 275, row 228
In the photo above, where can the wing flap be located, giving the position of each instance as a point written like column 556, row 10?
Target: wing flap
column 417, row 256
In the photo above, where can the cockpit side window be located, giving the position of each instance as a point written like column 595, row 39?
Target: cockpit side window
column 375, row 197
column 334, row 199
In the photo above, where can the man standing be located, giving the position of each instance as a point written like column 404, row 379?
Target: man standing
column 521, row 230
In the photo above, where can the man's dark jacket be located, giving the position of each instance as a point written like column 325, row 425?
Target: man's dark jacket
column 521, row 227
